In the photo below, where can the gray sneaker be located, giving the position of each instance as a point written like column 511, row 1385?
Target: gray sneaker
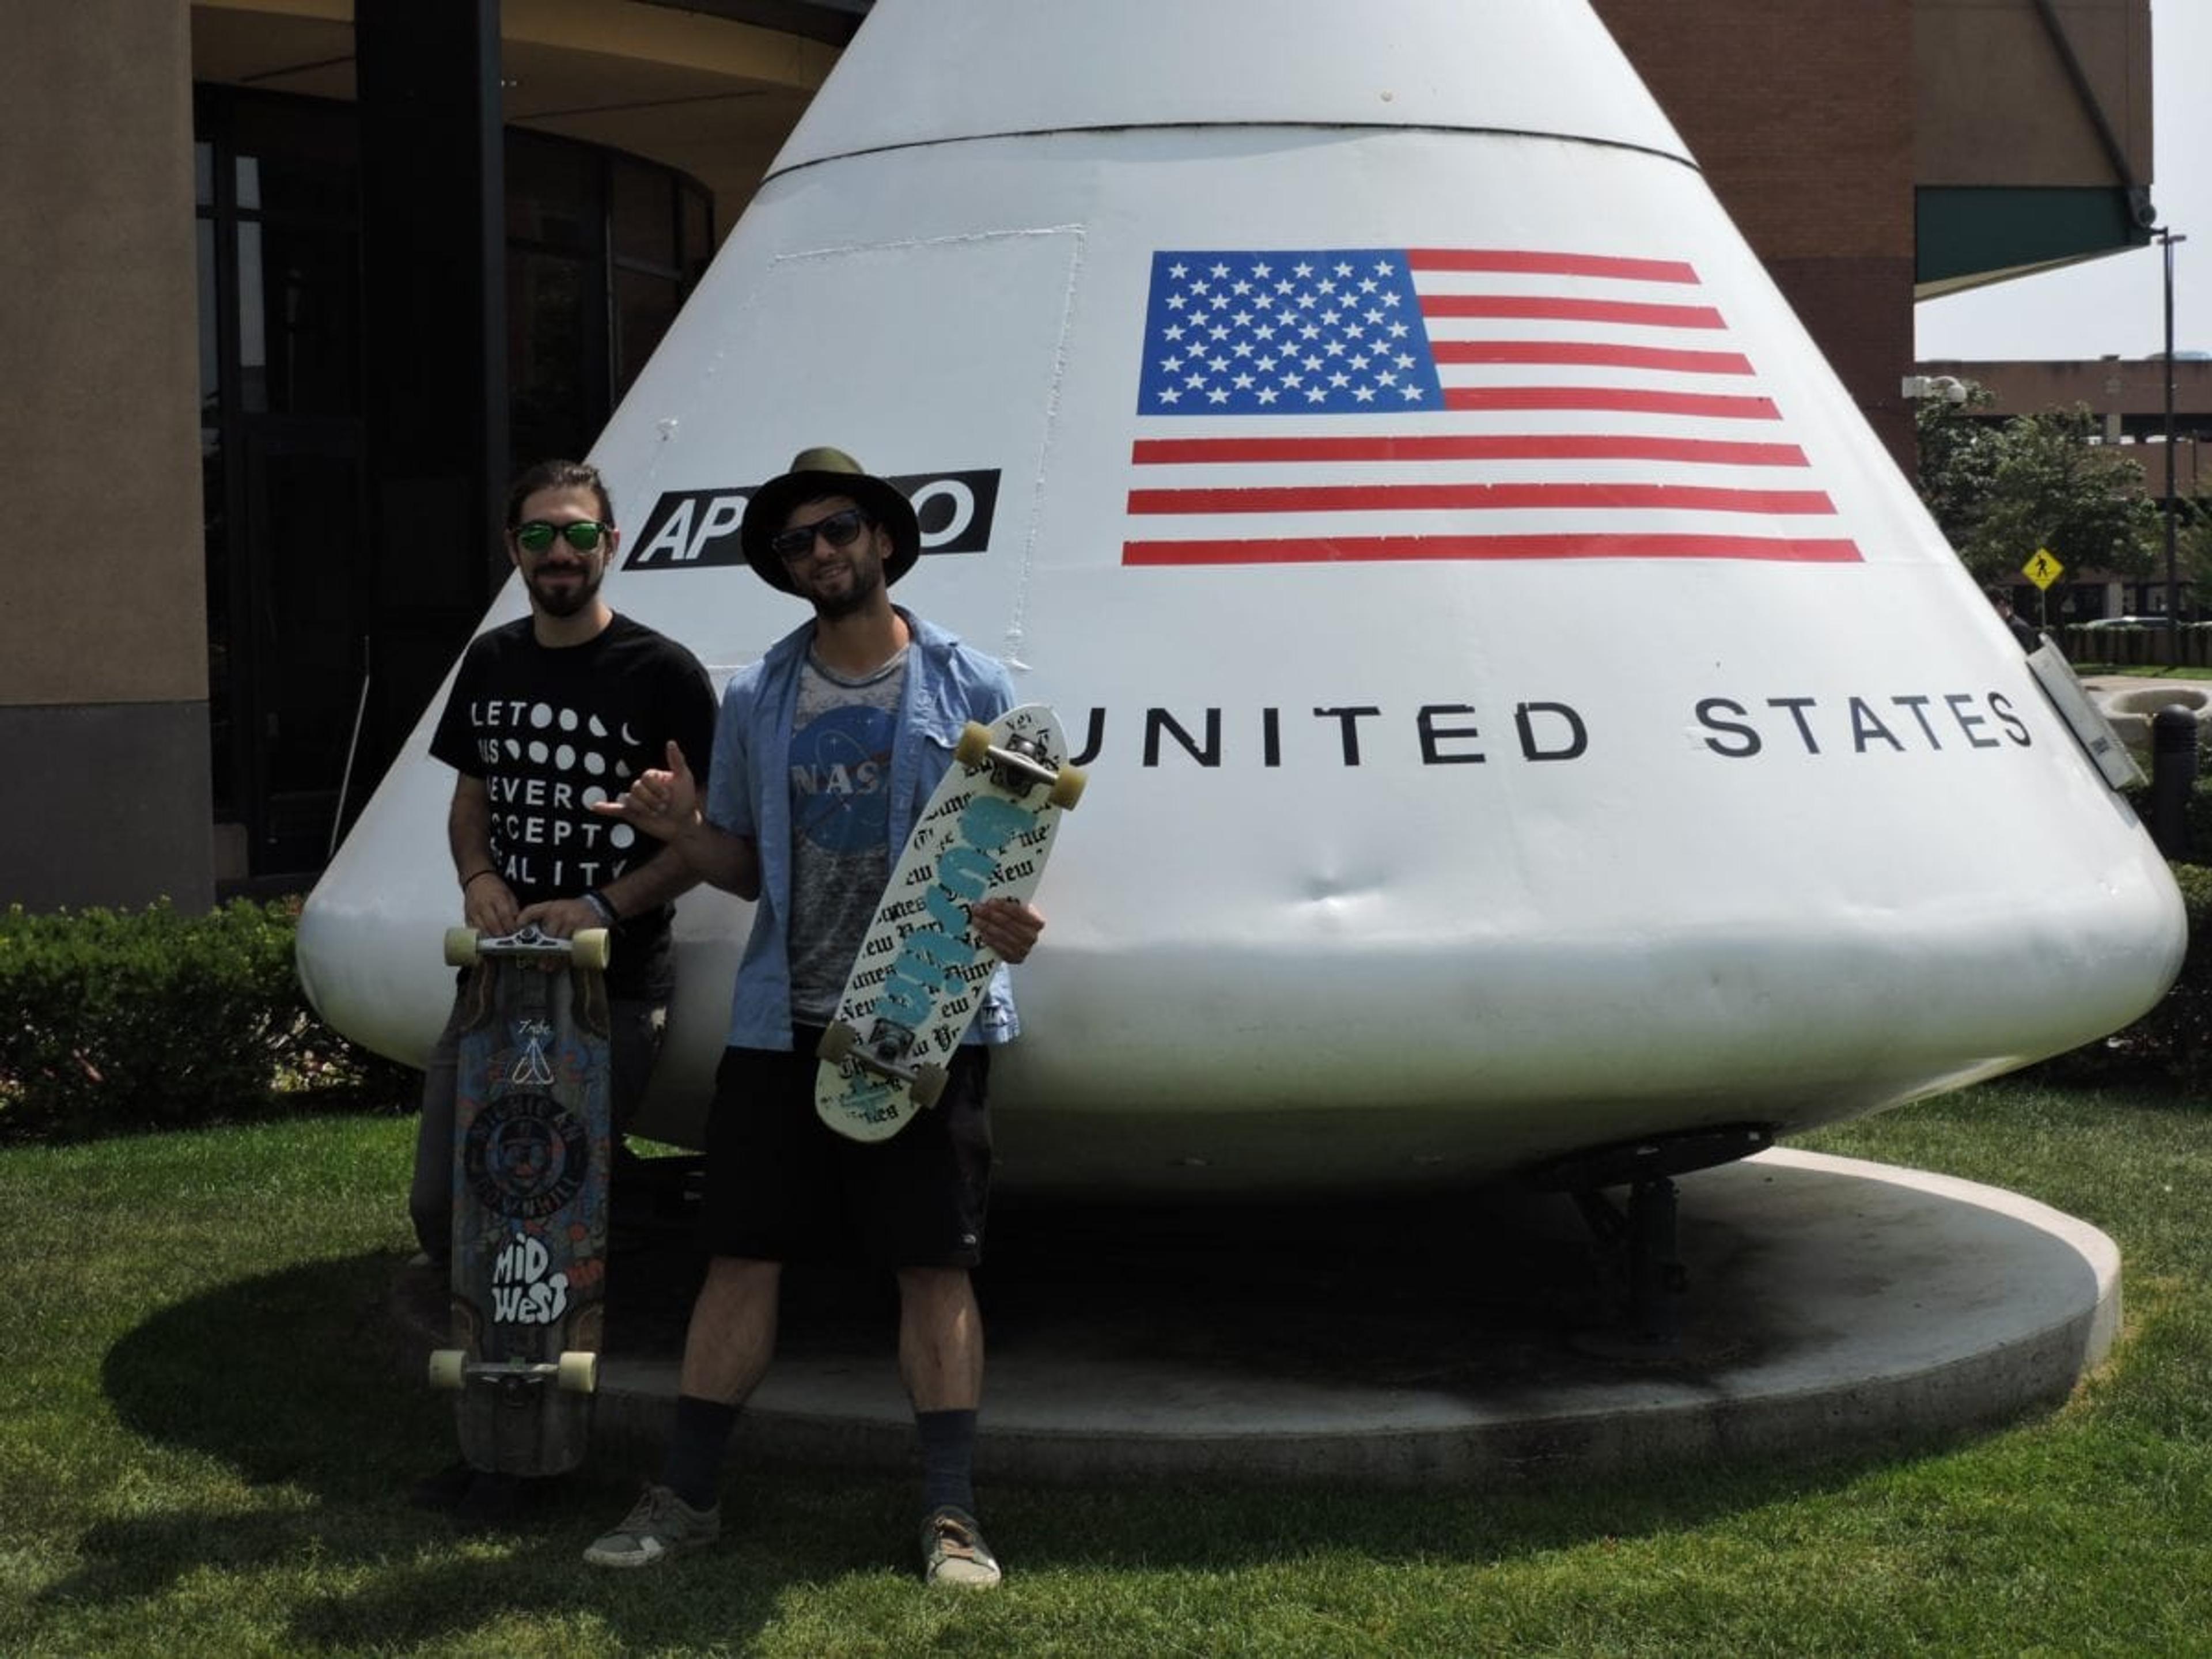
column 953, row 1551
column 661, row 1525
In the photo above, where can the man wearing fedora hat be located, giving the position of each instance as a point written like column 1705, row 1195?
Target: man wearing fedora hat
column 825, row 751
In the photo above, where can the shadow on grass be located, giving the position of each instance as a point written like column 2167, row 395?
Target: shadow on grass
column 298, row 1382
column 388, row 1578
column 301, row 1380
column 291, row 1376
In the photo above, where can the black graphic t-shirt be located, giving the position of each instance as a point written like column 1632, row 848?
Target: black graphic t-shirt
column 550, row 731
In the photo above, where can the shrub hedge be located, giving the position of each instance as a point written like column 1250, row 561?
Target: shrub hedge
column 113, row 1020
column 2174, row 1042
column 117, row 1020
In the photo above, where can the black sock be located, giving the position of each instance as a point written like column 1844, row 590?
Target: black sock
column 948, row 1459
column 694, row 1468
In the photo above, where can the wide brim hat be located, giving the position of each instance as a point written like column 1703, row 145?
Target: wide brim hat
column 815, row 473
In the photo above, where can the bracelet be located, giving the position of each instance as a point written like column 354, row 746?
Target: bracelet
column 479, row 876
column 599, row 902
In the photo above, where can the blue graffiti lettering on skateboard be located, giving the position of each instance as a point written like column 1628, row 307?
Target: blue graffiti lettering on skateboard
column 930, row 957
column 873, row 1104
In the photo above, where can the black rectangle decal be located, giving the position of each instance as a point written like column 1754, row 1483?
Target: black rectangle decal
column 691, row 529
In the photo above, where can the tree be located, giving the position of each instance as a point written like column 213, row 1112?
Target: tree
column 2192, row 538
column 1960, row 456
column 1999, row 491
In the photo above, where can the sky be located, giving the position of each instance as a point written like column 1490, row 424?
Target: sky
column 2115, row 304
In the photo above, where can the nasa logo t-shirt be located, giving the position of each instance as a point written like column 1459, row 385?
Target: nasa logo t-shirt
column 841, row 810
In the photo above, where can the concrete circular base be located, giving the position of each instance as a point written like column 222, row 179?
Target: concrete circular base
column 1832, row 1304
column 2129, row 703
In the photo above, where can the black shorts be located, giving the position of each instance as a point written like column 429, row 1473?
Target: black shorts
column 782, row 1185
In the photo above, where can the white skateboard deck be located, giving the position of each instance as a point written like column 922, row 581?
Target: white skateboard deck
column 920, row 973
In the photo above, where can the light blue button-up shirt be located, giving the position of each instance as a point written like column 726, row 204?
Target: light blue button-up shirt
column 749, row 794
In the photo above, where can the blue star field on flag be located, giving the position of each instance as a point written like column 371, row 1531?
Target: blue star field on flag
column 1321, row 332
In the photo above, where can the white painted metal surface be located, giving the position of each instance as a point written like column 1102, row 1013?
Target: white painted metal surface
column 1566, row 726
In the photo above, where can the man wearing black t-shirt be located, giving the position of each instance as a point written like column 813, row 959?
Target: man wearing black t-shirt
column 548, row 715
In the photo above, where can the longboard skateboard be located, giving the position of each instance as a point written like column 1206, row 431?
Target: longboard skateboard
column 532, row 1141
column 984, row 833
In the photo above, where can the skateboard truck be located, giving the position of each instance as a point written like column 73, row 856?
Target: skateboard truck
column 882, row 1054
column 1017, row 765
column 465, row 947
column 576, row 1371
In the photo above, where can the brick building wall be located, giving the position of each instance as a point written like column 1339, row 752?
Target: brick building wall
column 1800, row 112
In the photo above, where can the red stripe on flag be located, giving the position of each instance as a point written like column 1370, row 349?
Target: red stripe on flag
column 1481, row 498
column 1550, row 264
column 1563, row 310
column 1607, row 355
column 1371, row 550
column 1616, row 398
column 1532, row 447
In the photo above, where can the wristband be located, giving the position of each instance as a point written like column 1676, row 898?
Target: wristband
column 479, row 876
column 598, row 901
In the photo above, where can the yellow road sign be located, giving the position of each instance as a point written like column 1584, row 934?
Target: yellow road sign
column 2043, row 570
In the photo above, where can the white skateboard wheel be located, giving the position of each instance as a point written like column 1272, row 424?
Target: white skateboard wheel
column 578, row 1372
column 974, row 748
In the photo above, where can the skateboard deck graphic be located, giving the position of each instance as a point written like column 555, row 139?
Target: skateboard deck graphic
column 532, row 1144
column 920, row 973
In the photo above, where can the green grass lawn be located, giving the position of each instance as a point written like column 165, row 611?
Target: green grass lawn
column 207, row 1430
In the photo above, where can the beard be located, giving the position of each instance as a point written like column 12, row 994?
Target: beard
column 568, row 598
column 867, row 581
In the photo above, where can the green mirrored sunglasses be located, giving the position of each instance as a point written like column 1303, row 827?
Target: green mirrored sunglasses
column 583, row 535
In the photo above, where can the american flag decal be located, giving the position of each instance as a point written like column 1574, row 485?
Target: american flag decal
column 1392, row 404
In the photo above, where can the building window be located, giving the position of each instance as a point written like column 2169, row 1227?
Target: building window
column 602, row 248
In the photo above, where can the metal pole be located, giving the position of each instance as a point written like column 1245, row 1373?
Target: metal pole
column 353, row 749
column 2167, row 240
column 2172, row 776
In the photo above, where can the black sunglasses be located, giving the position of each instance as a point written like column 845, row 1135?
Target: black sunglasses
column 838, row 530
column 583, row 535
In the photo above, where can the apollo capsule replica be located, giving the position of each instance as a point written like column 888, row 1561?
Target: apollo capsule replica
column 1526, row 709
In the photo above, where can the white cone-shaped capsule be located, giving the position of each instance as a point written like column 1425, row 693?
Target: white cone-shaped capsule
column 1525, row 707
